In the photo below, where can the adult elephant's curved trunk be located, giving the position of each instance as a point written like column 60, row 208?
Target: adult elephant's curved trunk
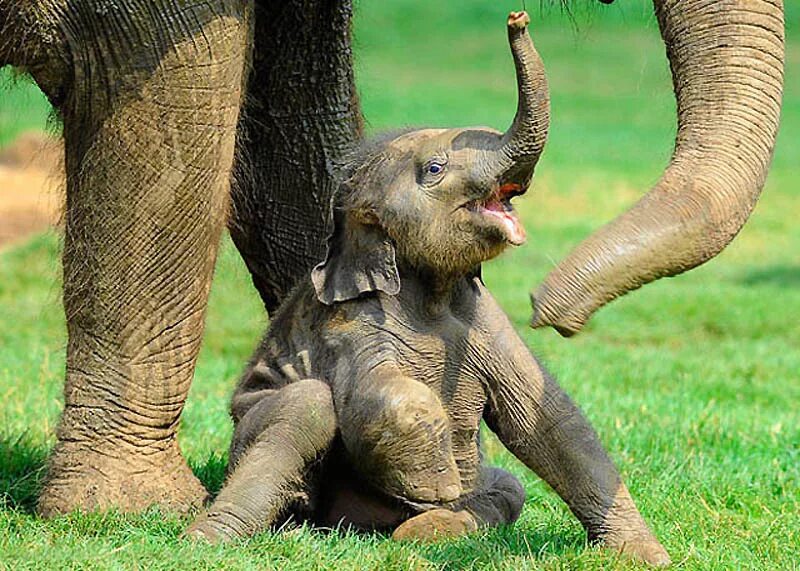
column 727, row 66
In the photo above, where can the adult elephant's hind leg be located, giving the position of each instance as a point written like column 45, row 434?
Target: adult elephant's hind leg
column 301, row 118
column 280, row 436
column 150, row 116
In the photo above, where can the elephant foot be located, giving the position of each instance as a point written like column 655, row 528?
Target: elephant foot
column 622, row 529
column 436, row 524
column 82, row 479
column 638, row 544
column 643, row 549
column 207, row 530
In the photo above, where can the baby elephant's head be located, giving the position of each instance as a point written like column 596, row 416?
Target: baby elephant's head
column 438, row 200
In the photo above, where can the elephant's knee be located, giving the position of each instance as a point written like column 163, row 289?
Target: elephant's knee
column 398, row 420
column 399, row 437
column 300, row 413
column 315, row 404
column 307, row 406
column 417, row 413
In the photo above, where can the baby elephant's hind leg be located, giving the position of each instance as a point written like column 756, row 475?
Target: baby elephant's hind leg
column 498, row 500
column 285, row 432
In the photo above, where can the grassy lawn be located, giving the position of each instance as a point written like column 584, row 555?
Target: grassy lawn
column 693, row 382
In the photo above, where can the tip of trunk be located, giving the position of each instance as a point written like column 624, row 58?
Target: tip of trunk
column 565, row 323
column 518, row 20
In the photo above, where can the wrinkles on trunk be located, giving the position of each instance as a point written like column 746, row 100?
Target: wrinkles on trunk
column 300, row 118
column 727, row 65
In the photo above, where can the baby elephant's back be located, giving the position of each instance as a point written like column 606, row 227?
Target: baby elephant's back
column 293, row 349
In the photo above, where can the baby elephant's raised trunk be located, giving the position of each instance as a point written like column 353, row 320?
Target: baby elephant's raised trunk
column 520, row 147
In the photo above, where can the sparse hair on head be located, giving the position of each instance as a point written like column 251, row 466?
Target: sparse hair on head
column 362, row 159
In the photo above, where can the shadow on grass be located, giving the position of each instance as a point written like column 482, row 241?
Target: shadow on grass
column 23, row 464
column 779, row 276
column 499, row 547
column 211, row 473
column 484, row 549
column 22, row 467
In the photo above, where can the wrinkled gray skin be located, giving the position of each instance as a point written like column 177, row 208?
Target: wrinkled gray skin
column 727, row 60
column 363, row 403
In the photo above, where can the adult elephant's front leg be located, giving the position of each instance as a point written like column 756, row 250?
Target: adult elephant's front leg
column 150, row 109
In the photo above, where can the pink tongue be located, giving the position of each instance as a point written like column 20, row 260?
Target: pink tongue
column 513, row 228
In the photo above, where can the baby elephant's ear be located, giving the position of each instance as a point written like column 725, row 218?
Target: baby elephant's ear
column 360, row 259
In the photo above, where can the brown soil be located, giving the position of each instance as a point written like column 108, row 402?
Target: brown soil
column 31, row 179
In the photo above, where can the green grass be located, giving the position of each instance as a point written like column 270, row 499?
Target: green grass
column 22, row 106
column 691, row 382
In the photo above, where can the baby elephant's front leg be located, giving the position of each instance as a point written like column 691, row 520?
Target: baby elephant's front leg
column 398, row 436
column 283, row 433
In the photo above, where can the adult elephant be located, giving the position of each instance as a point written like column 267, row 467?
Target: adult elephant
column 154, row 95
column 163, row 99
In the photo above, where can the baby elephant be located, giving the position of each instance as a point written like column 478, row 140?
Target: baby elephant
column 363, row 403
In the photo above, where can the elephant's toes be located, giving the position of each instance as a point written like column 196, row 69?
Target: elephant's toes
column 208, row 530
column 199, row 531
column 441, row 485
column 644, row 549
column 436, row 524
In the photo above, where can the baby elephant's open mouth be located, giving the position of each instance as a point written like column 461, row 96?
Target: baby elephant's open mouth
column 497, row 207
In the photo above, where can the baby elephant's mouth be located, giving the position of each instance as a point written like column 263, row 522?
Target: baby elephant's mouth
column 497, row 207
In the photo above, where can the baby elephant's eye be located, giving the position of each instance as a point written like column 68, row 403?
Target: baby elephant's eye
column 434, row 168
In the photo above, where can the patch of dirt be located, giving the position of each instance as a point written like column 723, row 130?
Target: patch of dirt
column 31, row 182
